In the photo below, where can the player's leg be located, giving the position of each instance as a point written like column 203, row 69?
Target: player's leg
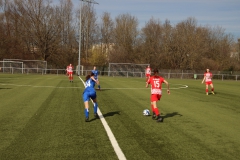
column 71, row 75
column 147, row 77
column 159, row 118
column 212, row 88
column 153, row 113
column 95, row 108
column 155, row 109
column 99, row 85
column 95, row 104
column 206, row 88
column 86, row 110
column 154, row 99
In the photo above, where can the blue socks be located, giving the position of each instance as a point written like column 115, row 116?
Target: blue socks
column 95, row 107
column 86, row 111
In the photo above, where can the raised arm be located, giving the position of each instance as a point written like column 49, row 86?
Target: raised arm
column 92, row 77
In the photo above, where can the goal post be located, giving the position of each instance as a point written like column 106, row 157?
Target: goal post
column 81, row 70
column 30, row 66
column 11, row 66
column 127, row 69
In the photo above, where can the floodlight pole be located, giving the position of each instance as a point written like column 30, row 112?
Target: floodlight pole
column 80, row 32
column 238, row 48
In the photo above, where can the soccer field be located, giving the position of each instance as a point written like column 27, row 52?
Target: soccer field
column 42, row 118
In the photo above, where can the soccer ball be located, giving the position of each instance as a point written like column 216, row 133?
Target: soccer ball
column 146, row 112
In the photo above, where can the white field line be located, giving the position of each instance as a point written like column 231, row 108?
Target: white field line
column 111, row 137
column 25, row 85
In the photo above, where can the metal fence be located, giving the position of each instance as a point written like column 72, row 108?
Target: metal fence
column 168, row 74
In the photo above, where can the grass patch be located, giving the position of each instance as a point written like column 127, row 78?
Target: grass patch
column 42, row 117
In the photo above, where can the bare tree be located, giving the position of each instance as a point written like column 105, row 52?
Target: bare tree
column 152, row 35
column 125, row 38
column 106, row 34
column 38, row 29
column 38, row 25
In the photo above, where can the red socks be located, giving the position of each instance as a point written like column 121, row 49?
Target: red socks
column 155, row 110
column 70, row 78
column 152, row 108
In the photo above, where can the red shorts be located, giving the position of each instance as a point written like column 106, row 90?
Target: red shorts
column 208, row 83
column 155, row 97
column 70, row 72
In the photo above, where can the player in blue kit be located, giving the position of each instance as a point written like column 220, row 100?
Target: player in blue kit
column 95, row 72
column 90, row 93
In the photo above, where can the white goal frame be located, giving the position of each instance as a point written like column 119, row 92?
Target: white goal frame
column 28, row 65
column 9, row 65
column 127, row 69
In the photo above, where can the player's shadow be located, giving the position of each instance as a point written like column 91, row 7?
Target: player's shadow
column 5, row 88
column 111, row 114
column 102, row 90
column 106, row 115
column 168, row 115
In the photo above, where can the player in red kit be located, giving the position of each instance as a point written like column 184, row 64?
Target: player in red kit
column 208, row 80
column 156, row 92
column 70, row 72
column 148, row 73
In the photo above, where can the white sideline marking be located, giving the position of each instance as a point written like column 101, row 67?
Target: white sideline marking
column 26, row 85
column 111, row 137
column 146, row 88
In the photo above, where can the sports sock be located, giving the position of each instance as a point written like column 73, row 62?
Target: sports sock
column 206, row 90
column 156, row 111
column 86, row 111
column 152, row 108
column 212, row 89
column 98, row 86
column 95, row 107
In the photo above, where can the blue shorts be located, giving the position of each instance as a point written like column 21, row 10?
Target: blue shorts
column 89, row 94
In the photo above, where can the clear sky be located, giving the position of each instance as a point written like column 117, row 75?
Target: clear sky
column 222, row 13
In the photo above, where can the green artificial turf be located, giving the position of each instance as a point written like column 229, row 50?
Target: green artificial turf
column 42, row 117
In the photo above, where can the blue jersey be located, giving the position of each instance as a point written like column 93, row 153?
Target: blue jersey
column 89, row 84
column 95, row 72
column 89, row 91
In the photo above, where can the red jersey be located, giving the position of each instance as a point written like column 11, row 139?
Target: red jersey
column 156, row 84
column 69, row 68
column 208, row 76
column 148, row 71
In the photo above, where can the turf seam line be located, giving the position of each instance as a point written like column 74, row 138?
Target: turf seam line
column 111, row 137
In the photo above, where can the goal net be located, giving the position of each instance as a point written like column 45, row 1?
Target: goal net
column 28, row 66
column 11, row 66
column 127, row 69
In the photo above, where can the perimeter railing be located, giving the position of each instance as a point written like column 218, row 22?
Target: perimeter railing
column 168, row 74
